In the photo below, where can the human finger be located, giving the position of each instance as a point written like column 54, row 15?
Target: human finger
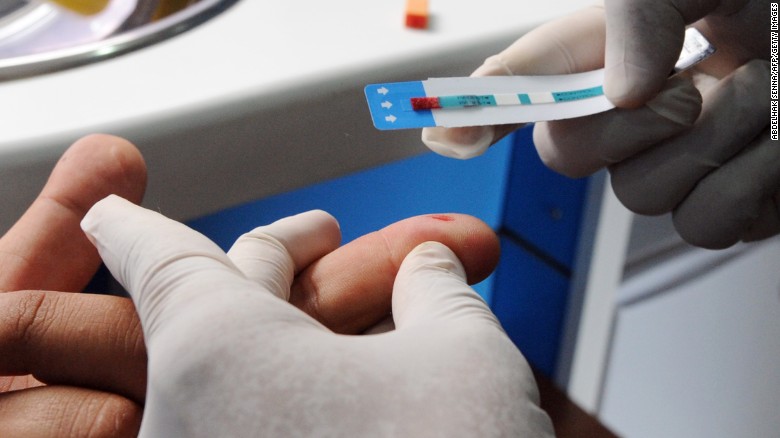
column 733, row 114
column 571, row 44
column 431, row 286
column 252, row 251
column 738, row 201
column 46, row 248
column 60, row 411
column 350, row 289
column 173, row 272
column 91, row 341
column 643, row 42
column 579, row 147
column 440, row 318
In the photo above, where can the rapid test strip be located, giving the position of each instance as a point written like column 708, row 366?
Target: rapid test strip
column 475, row 101
column 454, row 102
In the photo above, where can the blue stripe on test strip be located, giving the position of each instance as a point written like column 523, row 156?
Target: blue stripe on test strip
column 587, row 93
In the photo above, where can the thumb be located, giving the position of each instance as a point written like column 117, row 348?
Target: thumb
column 308, row 236
column 431, row 287
column 570, row 44
column 644, row 38
column 168, row 269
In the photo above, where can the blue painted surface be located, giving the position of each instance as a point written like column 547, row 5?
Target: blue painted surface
column 529, row 298
column 541, row 224
column 543, row 207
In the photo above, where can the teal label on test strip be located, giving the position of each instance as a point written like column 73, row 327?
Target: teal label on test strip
column 568, row 96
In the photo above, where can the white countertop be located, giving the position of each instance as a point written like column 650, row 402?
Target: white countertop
column 263, row 98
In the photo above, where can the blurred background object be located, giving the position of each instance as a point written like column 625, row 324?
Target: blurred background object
column 43, row 36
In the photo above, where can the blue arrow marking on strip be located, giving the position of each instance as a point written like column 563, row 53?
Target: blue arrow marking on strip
column 390, row 109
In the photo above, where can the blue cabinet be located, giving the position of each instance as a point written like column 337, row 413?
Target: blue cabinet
column 529, row 297
column 539, row 234
column 542, row 208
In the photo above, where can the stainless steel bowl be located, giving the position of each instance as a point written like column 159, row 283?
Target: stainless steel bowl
column 37, row 37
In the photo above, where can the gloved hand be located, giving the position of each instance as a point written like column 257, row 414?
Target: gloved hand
column 703, row 153
column 228, row 356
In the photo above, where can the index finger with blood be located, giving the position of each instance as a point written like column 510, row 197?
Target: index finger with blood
column 350, row 290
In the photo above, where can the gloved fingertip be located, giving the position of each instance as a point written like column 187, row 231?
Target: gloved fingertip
column 493, row 66
column 460, row 143
column 436, row 256
column 300, row 239
column 428, row 275
column 307, row 236
column 691, row 232
column 680, row 102
column 630, row 86
column 91, row 221
column 431, row 286
column 471, row 141
column 317, row 219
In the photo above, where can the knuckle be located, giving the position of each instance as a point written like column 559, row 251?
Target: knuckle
column 26, row 316
column 110, row 416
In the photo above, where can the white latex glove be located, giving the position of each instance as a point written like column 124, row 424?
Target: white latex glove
column 708, row 159
column 228, row 356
